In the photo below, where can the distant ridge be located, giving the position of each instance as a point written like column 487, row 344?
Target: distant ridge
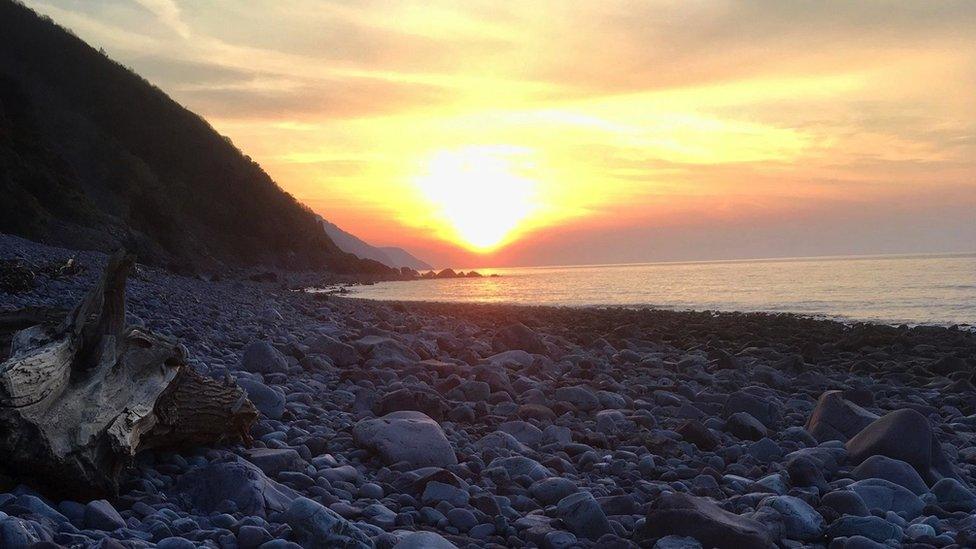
column 403, row 258
column 390, row 256
column 93, row 156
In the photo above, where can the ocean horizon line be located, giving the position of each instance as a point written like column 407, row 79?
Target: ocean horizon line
column 832, row 257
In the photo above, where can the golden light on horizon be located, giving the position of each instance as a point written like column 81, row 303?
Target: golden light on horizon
column 478, row 194
column 496, row 133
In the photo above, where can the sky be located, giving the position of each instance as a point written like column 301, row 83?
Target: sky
column 494, row 133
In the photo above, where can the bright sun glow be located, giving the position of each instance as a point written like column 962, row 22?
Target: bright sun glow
column 479, row 194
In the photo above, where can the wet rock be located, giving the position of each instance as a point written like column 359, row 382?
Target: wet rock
column 745, row 427
column 874, row 528
column 274, row 460
column 887, row 496
column 686, row 515
column 317, row 527
column 579, row 396
column 836, row 418
column 583, row 516
column 427, row 402
column 238, row 481
column 766, row 410
column 252, row 537
column 424, row 540
column 385, row 352
column 694, row 432
column 550, row 490
column 500, row 440
column 903, row 435
column 260, row 357
column 268, row 401
column 790, row 517
column 803, row 470
column 341, row 354
column 471, row 390
column 845, row 502
column 436, row 492
column 525, row 432
column 677, row 542
column 520, row 465
column 952, row 495
column 462, row 519
column 100, row 514
column 892, row 470
column 407, row 436
column 518, row 336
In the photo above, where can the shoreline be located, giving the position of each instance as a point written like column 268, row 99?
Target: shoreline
column 428, row 424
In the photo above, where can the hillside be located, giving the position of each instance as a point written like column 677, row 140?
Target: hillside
column 93, row 156
column 389, row 256
column 402, row 258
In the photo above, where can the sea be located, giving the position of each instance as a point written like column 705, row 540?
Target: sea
column 890, row 289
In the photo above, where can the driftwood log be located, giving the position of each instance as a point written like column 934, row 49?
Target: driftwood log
column 81, row 396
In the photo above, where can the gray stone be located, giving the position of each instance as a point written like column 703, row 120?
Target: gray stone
column 341, row 354
column 261, row 358
column 252, row 537
column 238, row 481
column 268, row 401
column 745, row 427
column 386, row 352
column 520, row 465
column 558, row 539
column 518, row 336
column 406, row 436
column 881, row 494
column 871, row 527
column 462, row 519
column 436, row 492
column 380, row 516
column 317, row 527
column 13, row 534
column 579, row 396
column 523, row 431
column 581, row 513
column 424, row 540
column 790, row 517
column 550, row 490
column 274, row 460
column 471, row 390
column 500, row 441
column 845, row 502
column 907, row 436
column 677, row 542
column 100, row 515
column 767, row 411
column 892, row 470
column 952, row 495
column 371, row 490
column 175, row 542
column 836, row 418
column 765, row 450
column 686, row 515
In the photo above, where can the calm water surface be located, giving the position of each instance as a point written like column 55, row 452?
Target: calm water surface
column 891, row 289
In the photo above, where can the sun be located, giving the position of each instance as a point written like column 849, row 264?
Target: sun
column 479, row 194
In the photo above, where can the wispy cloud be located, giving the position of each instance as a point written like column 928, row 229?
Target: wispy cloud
column 664, row 107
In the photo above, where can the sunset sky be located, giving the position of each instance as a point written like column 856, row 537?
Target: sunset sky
column 527, row 133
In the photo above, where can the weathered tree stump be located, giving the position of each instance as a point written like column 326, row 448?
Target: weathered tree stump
column 80, row 397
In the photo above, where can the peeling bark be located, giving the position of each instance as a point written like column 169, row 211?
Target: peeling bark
column 80, row 398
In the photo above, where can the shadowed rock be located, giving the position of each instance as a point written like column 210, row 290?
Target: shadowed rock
column 699, row 518
column 836, row 418
column 907, row 436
